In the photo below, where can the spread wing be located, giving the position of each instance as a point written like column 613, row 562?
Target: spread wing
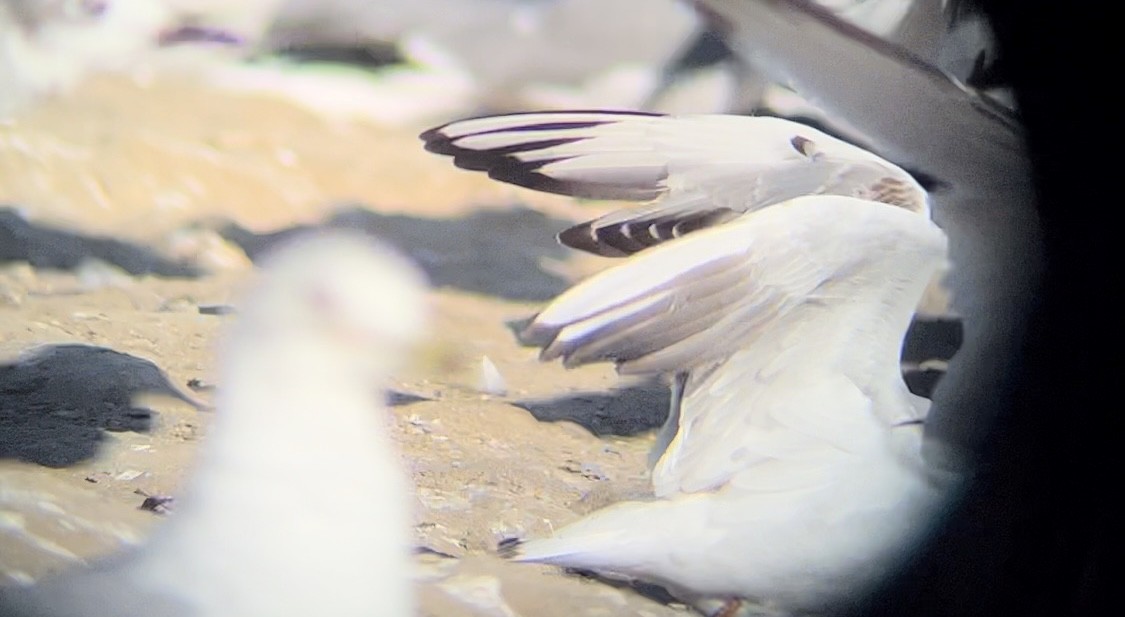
column 765, row 314
column 701, row 170
column 702, row 298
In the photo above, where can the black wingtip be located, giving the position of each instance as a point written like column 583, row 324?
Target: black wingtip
column 536, row 335
column 582, row 237
column 525, row 175
column 505, row 165
column 435, row 140
column 509, row 548
column 531, row 334
column 437, row 134
column 607, row 241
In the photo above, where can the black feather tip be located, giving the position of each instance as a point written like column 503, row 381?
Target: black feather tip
column 509, row 548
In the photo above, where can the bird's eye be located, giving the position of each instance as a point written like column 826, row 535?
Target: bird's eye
column 803, row 145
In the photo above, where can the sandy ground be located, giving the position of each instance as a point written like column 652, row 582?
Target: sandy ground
column 129, row 216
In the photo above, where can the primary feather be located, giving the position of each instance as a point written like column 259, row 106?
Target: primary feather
column 702, row 170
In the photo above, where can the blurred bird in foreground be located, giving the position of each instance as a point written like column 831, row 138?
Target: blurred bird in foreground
column 299, row 505
column 774, row 278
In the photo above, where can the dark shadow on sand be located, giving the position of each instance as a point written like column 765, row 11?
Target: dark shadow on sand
column 397, row 398
column 622, row 411
column 633, row 410
column 491, row 252
column 56, row 404
column 47, row 247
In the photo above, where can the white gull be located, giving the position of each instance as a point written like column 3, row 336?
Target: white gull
column 299, row 505
column 784, row 269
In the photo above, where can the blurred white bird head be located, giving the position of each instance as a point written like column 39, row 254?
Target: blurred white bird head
column 48, row 46
column 83, row 33
column 337, row 291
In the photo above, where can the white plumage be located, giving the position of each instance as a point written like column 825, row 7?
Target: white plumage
column 48, row 46
column 973, row 145
column 784, row 269
column 299, row 505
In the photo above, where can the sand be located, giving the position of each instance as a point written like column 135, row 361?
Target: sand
column 130, row 215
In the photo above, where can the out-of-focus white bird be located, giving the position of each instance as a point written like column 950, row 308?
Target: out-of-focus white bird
column 47, row 46
column 945, row 33
column 299, row 505
column 789, row 471
column 463, row 55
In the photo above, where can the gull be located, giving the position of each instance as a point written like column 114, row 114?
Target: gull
column 299, row 503
column 950, row 34
column 890, row 19
column 47, row 47
column 453, row 56
column 972, row 145
column 774, row 278
column 705, row 170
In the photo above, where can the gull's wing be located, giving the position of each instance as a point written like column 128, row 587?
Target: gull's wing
column 919, row 116
column 701, row 169
column 911, row 111
column 765, row 313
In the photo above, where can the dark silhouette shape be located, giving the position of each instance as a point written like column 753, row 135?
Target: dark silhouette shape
column 46, row 247
column 56, row 403
column 929, row 344
column 932, row 338
column 922, row 381
column 492, row 252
